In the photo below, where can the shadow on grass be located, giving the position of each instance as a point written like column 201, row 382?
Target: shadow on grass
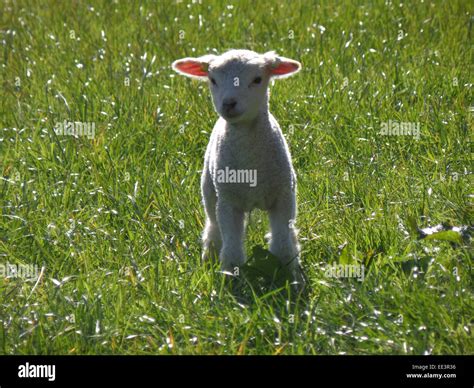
column 263, row 279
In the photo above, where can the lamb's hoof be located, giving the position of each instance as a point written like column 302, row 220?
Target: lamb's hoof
column 210, row 254
column 299, row 281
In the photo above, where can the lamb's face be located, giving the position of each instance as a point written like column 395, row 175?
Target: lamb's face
column 238, row 80
column 239, row 89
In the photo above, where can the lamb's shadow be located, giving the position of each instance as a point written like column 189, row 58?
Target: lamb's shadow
column 263, row 278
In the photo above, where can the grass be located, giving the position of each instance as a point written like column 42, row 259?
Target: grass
column 115, row 221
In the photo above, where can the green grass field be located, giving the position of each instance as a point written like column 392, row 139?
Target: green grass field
column 113, row 222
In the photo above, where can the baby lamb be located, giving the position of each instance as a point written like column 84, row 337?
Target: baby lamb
column 247, row 163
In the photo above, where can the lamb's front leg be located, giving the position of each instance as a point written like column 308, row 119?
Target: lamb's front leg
column 284, row 241
column 211, row 237
column 232, row 227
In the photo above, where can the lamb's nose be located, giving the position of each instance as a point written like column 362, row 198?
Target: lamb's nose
column 229, row 104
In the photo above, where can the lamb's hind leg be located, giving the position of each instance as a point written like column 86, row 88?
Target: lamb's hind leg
column 212, row 241
column 284, row 242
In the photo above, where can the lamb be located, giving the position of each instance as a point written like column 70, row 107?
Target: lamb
column 246, row 142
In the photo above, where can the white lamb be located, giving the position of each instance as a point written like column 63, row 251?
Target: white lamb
column 247, row 163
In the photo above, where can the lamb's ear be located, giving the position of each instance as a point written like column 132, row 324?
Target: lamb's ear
column 281, row 67
column 193, row 67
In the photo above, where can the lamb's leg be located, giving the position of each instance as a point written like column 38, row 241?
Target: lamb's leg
column 232, row 227
column 284, row 242
column 212, row 241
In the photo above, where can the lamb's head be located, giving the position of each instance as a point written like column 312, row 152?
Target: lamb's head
column 238, row 80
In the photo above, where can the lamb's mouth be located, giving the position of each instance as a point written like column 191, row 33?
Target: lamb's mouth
column 231, row 116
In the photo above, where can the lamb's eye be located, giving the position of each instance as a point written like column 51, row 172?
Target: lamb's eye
column 213, row 81
column 257, row 80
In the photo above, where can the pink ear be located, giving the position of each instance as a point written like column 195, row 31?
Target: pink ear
column 191, row 67
column 285, row 67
